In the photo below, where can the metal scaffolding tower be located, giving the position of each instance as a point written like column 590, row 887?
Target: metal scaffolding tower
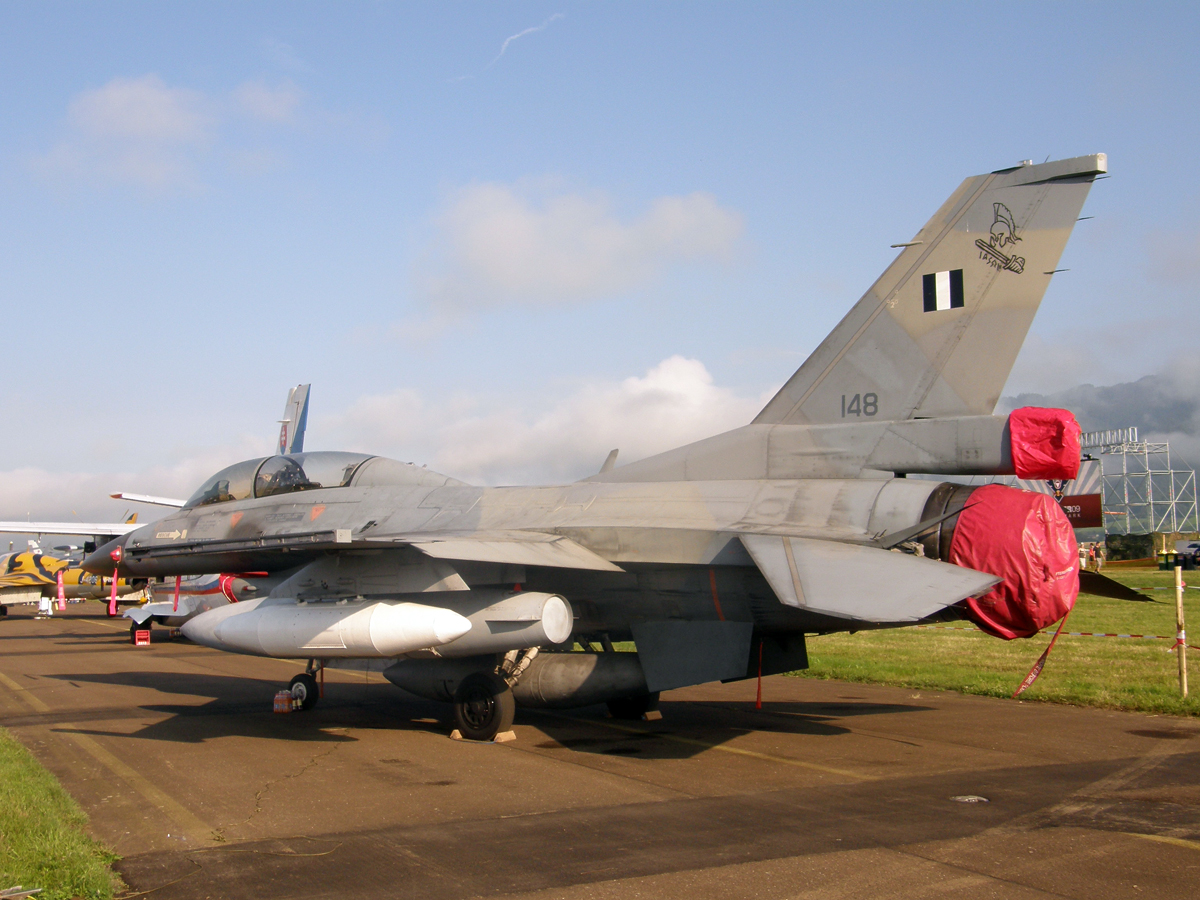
column 1142, row 493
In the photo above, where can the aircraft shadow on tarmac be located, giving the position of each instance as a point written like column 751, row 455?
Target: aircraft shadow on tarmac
column 688, row 728
column 239, row 706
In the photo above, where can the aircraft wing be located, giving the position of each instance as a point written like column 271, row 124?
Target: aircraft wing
column 853, row 581
column 524, row 548
column 96, row 529
column 150, row 498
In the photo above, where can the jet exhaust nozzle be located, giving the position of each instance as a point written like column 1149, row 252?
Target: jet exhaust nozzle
column 291, row 629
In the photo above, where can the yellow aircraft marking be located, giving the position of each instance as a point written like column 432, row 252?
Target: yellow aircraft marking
column 194, row 828
column 725, row 748
column 1164, row 839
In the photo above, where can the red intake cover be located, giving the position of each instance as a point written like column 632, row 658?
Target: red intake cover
column 1026, row 539
column 1045, row 443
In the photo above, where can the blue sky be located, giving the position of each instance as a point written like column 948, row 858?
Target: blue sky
column 503, row 238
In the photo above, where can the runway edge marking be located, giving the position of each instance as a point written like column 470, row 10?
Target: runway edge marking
column 191, row 824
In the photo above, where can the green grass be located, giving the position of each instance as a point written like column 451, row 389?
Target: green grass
column 42, row 838
column 1116, row 673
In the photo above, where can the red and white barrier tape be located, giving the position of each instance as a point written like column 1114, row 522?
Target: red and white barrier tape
column 1037, row 666
column 1155, row 637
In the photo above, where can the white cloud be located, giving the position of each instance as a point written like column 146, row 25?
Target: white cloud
column 145, row 133
column 674, row 403
column 503, row 244
column 83, row 496
column 134, row 131
column 275, row 105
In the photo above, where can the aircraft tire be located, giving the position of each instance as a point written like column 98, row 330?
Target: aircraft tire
column 633, row 707
column 483, row 706
column 133, row 630
column 3, row 610
column 304, row 688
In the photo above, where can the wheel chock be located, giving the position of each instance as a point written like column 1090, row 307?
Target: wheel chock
column 502, row 738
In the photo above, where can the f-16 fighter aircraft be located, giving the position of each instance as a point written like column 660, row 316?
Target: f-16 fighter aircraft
column 715, row 558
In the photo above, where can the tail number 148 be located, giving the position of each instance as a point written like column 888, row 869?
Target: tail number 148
column 860, row 405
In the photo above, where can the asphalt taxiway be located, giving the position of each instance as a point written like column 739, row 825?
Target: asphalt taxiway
column 831, row 790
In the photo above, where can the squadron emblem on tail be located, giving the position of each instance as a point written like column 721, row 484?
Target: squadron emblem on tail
column 1003, row 233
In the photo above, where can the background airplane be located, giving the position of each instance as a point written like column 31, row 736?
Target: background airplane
column 715, row 558
column 32, row 577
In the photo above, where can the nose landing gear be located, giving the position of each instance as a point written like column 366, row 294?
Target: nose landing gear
column 305, row 689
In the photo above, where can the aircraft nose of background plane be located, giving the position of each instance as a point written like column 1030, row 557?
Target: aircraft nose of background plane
column 100, row 561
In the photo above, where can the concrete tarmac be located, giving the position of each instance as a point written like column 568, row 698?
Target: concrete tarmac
column 832, row 790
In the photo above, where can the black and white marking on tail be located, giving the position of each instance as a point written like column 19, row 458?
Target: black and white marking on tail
column 943, row 290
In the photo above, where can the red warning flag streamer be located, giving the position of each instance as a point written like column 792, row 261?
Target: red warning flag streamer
column 62, row 592
column 175, row 608
column 116, row 555
column 1040, row 664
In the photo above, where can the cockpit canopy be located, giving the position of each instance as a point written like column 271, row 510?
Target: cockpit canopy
column 266, row 477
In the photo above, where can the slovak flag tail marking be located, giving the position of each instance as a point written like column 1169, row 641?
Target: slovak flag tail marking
column 943, row 290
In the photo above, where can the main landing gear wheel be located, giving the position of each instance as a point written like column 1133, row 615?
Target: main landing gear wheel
column 633, row 707
column 133, row 630
column 483, row 706
column 304, row 689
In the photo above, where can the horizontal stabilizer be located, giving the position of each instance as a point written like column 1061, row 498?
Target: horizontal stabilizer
column 853, row 581
column 1103, row 586
column 519, row 548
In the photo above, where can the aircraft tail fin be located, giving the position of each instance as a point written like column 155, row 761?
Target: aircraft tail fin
column 938, row 333
column 294, row 421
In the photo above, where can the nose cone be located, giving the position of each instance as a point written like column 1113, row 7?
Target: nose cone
column 101, row 561
column 199, row 630
column 206, row 629
column 449, row 625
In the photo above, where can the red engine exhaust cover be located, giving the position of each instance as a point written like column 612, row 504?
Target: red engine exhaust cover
column 1045, row 443
column 1026, row 539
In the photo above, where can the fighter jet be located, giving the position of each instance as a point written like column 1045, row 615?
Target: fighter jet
column 716, row 558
